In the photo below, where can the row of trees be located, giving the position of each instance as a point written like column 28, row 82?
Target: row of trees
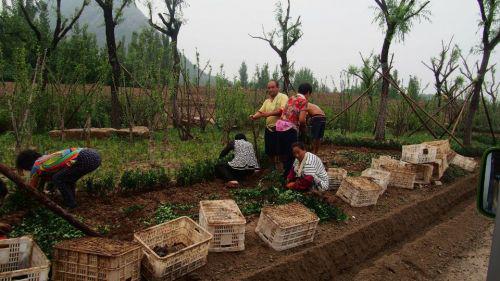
column 27, row 35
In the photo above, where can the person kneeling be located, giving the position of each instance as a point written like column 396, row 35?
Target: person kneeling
column 63, row 168
column 308, row 171
column 243, row 164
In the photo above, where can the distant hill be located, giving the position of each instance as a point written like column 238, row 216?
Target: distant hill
column 133, row 20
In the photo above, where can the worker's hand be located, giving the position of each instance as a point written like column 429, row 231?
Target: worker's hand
column 252, row 117
column 290, row 185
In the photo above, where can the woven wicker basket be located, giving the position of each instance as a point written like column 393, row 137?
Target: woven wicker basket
column 286, row 226
column 466, row 163
column 223, row 219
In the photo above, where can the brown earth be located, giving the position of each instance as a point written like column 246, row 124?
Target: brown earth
column 337, row 248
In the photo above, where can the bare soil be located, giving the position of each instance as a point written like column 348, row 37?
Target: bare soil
column 338, row 246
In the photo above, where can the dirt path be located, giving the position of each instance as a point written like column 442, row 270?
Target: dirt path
column 473, row 263
column 456, row 249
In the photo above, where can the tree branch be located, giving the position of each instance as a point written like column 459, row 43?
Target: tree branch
column 417, row 11
column 33, row 27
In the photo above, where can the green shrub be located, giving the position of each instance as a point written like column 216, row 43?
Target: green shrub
column 143, row 179
column 164, row 213
column 198, row 172
column 47, row 229
column 100, row 185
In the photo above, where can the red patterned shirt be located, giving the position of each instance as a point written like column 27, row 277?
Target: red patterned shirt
column 294, row 106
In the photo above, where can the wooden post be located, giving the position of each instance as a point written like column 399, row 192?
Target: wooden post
column 354, row 102
column 441, row 108
column 395, row 85
column 44, row 200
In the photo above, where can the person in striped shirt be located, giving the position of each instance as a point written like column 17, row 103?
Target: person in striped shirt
column 63, row 168
column 308, row 171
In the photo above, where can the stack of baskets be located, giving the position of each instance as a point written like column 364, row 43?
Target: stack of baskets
column 380, row 177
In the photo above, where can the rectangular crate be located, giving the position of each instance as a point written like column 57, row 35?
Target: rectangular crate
column 402, row 175
column 286, row 226
column 423, row 172
column 443, row 147
column 336, row 176
column 96, row 259
column 359, row 191
column 466, row 163
column 439, row 168
column 174, row 265
column 380, row 177
column 224, row 220
column 22, row 259
column 418, row 153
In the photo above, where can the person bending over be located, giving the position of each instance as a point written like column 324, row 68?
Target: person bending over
column 63, row 168
column 308, row 172
column 243, row 164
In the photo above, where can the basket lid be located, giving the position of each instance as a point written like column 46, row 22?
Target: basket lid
column 363, row 183
column 98, row 246
column 290, row 214
column 222, row 212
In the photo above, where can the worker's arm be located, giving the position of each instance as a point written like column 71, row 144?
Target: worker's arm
column 226, row 150
column 257, row 115
column 275, row 113
column 35, row 180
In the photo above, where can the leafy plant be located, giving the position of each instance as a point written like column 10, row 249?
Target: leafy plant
column 165, row 213
column 132, row 209
column 47, row 228
column 198, row 172
column 100, row 185
column 143, row 179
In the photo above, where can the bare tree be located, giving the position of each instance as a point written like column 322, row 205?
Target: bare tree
column 290, row 32
column 172, row 21
column 397, row 18
column 62, row 27
column 490, row 22
column 443, row 67
column 491, row 87
column 111, row 20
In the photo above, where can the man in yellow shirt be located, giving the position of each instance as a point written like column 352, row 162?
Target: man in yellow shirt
column 271, row 109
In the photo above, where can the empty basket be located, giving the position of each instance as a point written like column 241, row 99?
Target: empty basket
column 286, row 226
column 380, row 177
column 22, row 259
column 224, row 220
column 99, row 259
column 443, row 148
column 401, row 175
column 418, row 153
column 182, row 230
column 336, row 176
column 359, row 191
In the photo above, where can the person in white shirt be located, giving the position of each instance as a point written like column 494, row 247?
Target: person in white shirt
column 242, row 165
column 308, row 171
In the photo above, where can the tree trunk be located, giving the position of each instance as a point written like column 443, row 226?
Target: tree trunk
column 116, row 110
column 285, row 69
column 384, row 95
column 176, row 67
column 474, row 104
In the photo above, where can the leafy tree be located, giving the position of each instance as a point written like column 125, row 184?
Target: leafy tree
column 366, row 73
column 112, row 18
column 490, row 22
column 38, row 21
column 172, row 21
column 396, row 17
column 290, row 32
column 243, row 75
column 261, row 76
column 305, row 75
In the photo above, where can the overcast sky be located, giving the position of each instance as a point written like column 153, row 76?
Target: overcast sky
column 335, row 32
